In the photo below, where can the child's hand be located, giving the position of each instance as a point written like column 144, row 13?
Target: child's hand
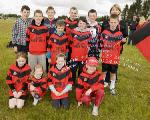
column 49, row 60
column 88, row 92
column 79, row 104
column 15, row 48
column 124, row 40
column 19, row 94
column 57, row 93
column 15, row 94
column 32, row 88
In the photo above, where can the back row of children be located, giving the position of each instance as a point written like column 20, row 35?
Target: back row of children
column 80, row 43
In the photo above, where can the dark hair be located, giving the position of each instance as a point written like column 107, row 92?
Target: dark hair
column 60, row 22
column 92, row 11
column 38, row 11
column 115, row 6
column 73, row 8
column 82, row 18
column 25, row 7
column 114, row 16
column 21, row 54
column 50, row 8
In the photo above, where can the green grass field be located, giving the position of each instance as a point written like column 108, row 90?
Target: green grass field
column 131, row 103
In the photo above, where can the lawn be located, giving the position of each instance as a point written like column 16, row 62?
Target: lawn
column 132, row 101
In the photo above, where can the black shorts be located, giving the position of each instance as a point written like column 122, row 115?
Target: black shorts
column 23, row 97
column 109, row 67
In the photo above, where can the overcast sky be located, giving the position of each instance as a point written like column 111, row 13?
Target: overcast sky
column 61, row 6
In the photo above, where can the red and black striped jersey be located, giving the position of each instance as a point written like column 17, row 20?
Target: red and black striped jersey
column 60, row 79
column 80, row 45
column 87, row 81
column 40, row 85
column 37, row 37
column 111, row 46
column 57, row 44
column 17, row 78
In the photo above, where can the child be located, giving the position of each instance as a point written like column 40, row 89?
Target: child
column 58, row 42
column 90, row 85
column 71, row 23
column 80, row 38
column 17, row 77
column 95, row 30
column 111, row 39
column 37, row 36
column 38, row 84
column 19, row 30
column 60, row 82
column 50, row 21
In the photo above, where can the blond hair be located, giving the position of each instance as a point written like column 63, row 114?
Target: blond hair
column 115, row 6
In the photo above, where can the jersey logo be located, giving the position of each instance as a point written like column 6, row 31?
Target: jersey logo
column 15, row 73
column 85, row 79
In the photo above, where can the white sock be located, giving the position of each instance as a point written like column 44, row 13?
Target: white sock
column 35, row 101
column 112, row 84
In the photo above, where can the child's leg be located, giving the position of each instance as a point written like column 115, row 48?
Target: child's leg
column 20, row 103
column 81, row 65
column 113, row 80
column 36, row 99
column 99, row 95
column 32, row 60
column 12, row 103
column 42, row 60
column 74, row 67
column 65, row 102
column 86, row 100
column 56, row 103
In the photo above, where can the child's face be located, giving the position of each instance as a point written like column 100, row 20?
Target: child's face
column 21, row 61
column 50, row 14
column 114, row 10
column 25, row 14
column 38, row 17
column 82, row 25
column 91, row 69
column 60, row 29
column 60, row 61
column 92, row 17
column 73, row 14
column 113, row 23
column 38, row 73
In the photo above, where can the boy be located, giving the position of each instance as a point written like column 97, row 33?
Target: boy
column 71, row 23
column 111, row 45
column 90, row 84
column 37, row 36
column 95, row 30
column 58, row 42
column 80, row 38
column 50, row 21
column 60, row 82
column 19, row 30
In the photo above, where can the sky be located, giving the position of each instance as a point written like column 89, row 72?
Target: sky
column 61, row 6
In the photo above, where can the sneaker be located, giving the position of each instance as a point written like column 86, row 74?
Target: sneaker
column 95, row 111
column 105, row 84
column 35, row 101
column 112, row 91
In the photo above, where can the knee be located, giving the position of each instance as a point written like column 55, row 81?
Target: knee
column 11, row 106
column 20, row 104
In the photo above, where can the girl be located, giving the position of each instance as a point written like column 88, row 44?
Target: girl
column 38, row 84
column 17, row 77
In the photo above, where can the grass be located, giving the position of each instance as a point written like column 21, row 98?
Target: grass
column 131, row 103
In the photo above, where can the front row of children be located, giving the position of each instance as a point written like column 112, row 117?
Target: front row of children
column 20, row 80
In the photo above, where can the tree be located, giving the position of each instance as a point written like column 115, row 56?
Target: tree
column 125, row 11
column 146, row 8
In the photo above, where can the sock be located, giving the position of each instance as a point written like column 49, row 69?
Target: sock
column 35, row 101
column 112, row 84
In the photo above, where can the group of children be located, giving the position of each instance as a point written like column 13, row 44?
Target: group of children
column 70, row 45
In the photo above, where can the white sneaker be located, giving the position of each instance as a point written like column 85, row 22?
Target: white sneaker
column 35, row 101
column 105, row 84
column 95, row 111
column 112, row 91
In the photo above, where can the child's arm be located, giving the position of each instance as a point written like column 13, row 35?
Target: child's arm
column 27, row 39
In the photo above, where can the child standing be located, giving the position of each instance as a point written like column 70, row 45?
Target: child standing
column 80, row 38
column 19, row 30
column 17, row 77
column 37, row 36
column 60, row 82
column 95, row 30
column 38, row 84
column 90, row 85
column 58, row 42
column 111, row 45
